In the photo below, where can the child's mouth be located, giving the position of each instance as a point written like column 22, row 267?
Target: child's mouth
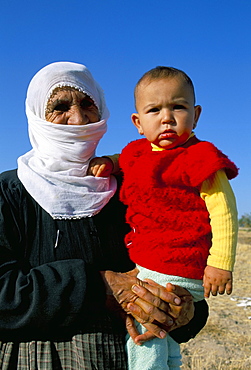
column 168, row 135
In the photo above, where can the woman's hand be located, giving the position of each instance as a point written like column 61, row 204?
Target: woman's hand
column 158, row 309
column 181, row 314
column 178, row 301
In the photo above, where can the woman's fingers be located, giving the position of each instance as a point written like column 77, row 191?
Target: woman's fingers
column 152, row 332
column 144, row 314
column 131, row 328
column 148, row 313
column 155, row 303
column 151, row 305
column 145, row 337
column 156, row 295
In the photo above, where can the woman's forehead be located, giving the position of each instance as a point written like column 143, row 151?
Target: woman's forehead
column 68, row 93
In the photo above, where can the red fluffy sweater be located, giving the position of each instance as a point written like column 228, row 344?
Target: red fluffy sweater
column 170, row 225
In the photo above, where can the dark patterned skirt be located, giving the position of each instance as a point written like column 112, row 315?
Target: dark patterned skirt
column 84, row 351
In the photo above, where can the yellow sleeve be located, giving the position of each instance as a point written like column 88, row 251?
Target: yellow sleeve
column 221, row 205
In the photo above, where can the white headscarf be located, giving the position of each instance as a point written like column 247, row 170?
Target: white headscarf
column 54, row 171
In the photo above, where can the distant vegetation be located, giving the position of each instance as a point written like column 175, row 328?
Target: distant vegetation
column 245, row 220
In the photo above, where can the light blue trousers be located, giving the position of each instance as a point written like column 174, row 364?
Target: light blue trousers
column 160, row 354
column 157, row 354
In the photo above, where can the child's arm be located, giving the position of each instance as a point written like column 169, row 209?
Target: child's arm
column 221, row 205
column 103, row 166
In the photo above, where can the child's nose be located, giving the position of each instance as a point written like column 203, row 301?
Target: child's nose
column 167, row 116
column 78, row 116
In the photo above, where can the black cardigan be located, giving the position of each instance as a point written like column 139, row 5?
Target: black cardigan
column 47, row 288
column 52, row 290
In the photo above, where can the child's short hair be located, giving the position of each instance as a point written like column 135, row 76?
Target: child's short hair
column 160, row 72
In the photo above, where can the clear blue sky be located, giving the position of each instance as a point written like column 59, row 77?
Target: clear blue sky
column 119, row 41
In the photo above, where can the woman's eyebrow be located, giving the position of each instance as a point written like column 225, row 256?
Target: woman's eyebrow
column 61, row 100
column 53, row 103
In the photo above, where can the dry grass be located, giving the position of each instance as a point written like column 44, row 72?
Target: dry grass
column 225, row 342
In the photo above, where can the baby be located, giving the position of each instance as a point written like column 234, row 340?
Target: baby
column 181, row 207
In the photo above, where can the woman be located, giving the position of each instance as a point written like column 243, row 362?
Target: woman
column 58, row 229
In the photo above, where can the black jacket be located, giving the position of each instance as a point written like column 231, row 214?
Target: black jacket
column 50, row 286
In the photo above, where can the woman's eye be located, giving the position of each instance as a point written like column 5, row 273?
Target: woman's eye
column 86, row 103
column 61, row 107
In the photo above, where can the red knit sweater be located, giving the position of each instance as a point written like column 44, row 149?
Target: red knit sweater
column 170, row 225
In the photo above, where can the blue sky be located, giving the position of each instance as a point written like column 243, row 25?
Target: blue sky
column 119, row 41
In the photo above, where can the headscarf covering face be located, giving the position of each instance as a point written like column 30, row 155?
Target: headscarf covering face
column 54, row 171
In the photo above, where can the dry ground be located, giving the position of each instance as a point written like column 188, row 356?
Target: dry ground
column 225, row 341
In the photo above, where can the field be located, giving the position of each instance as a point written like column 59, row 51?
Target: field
column 225, row 341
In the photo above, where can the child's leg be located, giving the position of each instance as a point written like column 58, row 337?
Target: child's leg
column 157, row 354
column 174, row 358
column 193, row 286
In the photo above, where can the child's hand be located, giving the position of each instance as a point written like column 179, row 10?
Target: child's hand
column 100, row 167
column 217, row 281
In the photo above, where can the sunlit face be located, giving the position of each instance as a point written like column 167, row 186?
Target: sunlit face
column 68, row 106
column 166, row 112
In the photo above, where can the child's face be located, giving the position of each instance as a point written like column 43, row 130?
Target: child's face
column 166, row 112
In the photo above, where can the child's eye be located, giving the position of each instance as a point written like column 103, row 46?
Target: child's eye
column 62, row 107
column 152, row 110
column 179, row 107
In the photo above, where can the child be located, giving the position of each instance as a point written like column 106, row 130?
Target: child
column 181, row 207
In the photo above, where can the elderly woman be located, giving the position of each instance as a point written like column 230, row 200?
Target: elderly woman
column 59, row 228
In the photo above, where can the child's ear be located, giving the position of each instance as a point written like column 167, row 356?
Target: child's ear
column 197, row 112
column 136, row 121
